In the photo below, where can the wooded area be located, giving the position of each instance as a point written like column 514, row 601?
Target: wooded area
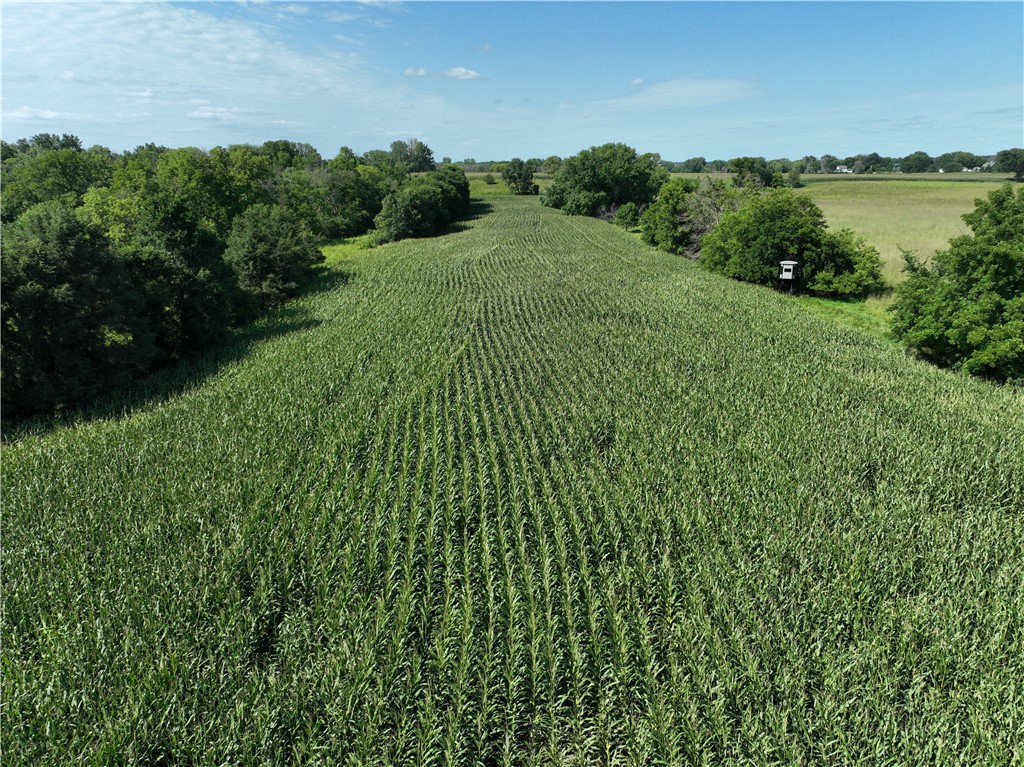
column 116, row 265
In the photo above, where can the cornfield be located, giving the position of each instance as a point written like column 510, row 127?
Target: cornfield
column 530, row 493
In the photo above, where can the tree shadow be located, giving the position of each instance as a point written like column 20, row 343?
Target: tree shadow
column 477, row 209
column 186, row 374
column 326, row 280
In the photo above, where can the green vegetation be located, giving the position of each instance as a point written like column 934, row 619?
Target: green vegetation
column 685, row 210
column 338, row 250
column 870, row 314
column 117, row 265
column 894, row 213
column 754, row 171
column 749, row 242
column 527, row 493
column 1011, row 161
column 423, row 206
column 627, row 216
column 272, row 255
column 518, row 177
column 967, row 309
column 600, row 179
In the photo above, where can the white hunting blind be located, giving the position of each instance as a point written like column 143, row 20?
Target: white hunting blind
column 788, row 269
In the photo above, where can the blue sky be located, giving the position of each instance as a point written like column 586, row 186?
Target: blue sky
column 493, row 80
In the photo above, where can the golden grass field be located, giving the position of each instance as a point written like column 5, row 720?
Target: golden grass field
column 921, row 216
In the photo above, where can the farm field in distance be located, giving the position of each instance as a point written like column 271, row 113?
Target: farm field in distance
column 920, row 212
column 917, row 215
column 535, row 493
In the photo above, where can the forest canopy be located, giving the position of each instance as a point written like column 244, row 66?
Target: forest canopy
column 115, row 265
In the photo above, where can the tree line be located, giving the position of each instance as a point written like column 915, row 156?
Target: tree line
column 1005, row 161
column 781, row 169
column 965, row 310
column 115, row 265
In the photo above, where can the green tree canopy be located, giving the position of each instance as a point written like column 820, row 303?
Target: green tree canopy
column 72, row 325
column 754, row 171
column 686, row 210
column 271, row 253
column 424, row 205
column 48, row 170
column 966, row 310
column 748, row 244
column 518, row 177
column 1011, row 161
column 917, row 162
column 605, row 177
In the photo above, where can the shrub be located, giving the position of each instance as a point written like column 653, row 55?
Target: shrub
column 627, row 216
column 748, row 244
column 847, row 268
column 662, row 223
column 686, row 211
column 426, row 205
column 966, row 310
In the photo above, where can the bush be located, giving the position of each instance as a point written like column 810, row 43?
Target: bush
column 425, row 206
column 749, row 243
column 686, row 211
column 627, row 216
column 966, row 311
column 848, row 267
column 662, row 223
column 271, row 253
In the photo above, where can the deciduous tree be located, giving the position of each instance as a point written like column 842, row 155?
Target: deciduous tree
column 966, row 310
column 1011, row 161
column 271, row 253
column 518, row 177
column 604, row 177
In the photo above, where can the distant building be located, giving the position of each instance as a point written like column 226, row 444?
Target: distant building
column 842, row 169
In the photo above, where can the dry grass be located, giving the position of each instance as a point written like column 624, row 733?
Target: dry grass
column 920, row 216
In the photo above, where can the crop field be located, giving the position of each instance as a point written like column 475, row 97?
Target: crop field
column 529, row 493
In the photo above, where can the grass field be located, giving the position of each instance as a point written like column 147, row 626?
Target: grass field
column 920, row 215
column 529, row 493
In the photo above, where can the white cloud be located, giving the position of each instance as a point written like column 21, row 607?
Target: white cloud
column 94, row 66
column 455, row 73
column 637, row 82
column 683, row 92
column 31, row 113
column 214, row 113
column 461, row 73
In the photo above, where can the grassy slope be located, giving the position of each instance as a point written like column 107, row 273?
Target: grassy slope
column 529, row 491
